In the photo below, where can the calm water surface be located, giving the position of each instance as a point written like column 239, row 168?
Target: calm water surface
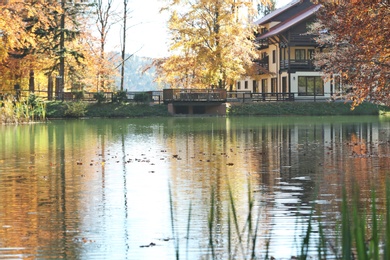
column 99, row 189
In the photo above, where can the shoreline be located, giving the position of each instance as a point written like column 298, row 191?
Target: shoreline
column 56, row 110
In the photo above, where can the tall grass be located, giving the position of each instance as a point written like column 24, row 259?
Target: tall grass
column 22, row 111
column 359, row 234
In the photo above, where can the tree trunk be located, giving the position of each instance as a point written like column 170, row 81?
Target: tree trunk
column 123, row 44
column 31, row 82
column 62, row 53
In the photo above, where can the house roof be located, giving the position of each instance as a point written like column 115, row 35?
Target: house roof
column 278, row 11
column 290, row 22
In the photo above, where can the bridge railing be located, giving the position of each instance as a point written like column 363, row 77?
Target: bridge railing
column 194, row 95
column 178, row 95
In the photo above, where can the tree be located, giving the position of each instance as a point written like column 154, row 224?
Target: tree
column 18, row 25
column 212, row 43
column 123, row 53
column 355, row 37
column 11, row 28
column 104, row 22
column 44, row 37
column 265, row 8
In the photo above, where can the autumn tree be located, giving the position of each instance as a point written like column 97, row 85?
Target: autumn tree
column 18, row 22
column 11, row 30
column 212, row 43
column 105, row 19
column 124, row 34
column 265, row 8
column 355, row 37
column 45, row 37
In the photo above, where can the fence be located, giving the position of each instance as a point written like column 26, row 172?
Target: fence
column 247, row 96
column 194, row 95
column 173, row 95
column 152, row 96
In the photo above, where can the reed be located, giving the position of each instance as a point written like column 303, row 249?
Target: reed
column 174, row 232
column 359, row 234
column 386, row 249
column 22, row 111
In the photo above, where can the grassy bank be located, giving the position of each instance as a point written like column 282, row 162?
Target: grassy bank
column 83, row 109
column 304, row 109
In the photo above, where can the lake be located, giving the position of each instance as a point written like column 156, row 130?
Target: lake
column 138, row 188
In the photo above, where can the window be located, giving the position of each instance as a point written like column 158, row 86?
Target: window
column 310, row 54
column 310, row 86
column 273, row 85
column 273, row 56
column 238, row 85
column 300, row 54
column 337, row 83
column 254, row 85
column 284, row 84
column 264, row 85
column 246, row 84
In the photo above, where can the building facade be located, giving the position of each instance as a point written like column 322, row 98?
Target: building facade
column 286, row 63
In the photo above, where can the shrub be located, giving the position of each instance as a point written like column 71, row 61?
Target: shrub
column 36, row 106
column 14, row 111
column 75, row 109
column 78, row 95
column 142, row 97
column 120, row 96
column 100, row 97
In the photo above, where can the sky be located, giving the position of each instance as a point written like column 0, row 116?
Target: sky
column 147, row 34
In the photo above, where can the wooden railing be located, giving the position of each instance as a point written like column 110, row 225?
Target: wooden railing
column 194, row 95
column 247, row 96
column 263, row 65
column 185, row 95
column 302, row 39
column 297, row 64
column 154, row 96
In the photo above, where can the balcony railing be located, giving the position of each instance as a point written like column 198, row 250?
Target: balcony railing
column 297, row 65
column 302, row 39
column 263, row 65
column 262, row 44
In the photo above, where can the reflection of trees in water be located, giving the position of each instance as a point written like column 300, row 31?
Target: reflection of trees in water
column 287, row 162
column 320, row 157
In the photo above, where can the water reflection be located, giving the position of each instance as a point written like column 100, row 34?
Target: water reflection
column 93, row 189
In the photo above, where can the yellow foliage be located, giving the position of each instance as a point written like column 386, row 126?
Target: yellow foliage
column 29, row 41
column 211, row 43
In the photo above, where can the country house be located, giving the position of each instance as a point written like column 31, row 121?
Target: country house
column 285, row 66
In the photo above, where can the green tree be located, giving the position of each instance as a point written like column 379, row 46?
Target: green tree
column 212, row 43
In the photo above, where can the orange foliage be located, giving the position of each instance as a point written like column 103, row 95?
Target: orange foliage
column 356, row 37
column 29, row 41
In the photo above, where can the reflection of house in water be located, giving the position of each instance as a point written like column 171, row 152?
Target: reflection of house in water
column 321, row 155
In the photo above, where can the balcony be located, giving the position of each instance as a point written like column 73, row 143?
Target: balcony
column 297, row 65
column 301, row 39
column 262, row 44
column 263, row 65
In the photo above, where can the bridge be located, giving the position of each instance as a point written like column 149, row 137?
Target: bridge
column 195, row 101
column 179, row 101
